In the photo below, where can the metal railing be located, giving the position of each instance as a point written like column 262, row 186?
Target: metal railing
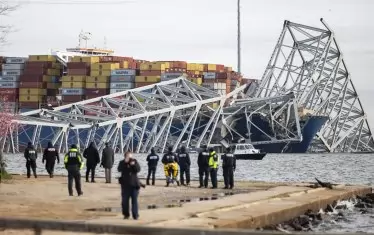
column 38, row 226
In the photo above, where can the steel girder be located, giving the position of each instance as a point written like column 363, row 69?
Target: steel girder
column 168, row 113
column 308, row 62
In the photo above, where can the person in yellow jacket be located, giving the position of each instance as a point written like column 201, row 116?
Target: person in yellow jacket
column 170, row 161
column 74, row 163
column 213, row 167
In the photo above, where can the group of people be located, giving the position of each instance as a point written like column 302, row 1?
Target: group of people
column 208, row 163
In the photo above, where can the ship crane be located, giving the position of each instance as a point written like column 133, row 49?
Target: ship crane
column 84, row 36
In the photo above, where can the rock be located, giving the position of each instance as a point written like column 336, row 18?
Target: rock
column 361, row 205
column 303, row 221
column 370, row 196
column 324, row 184
column 341, row 207
column 329, row 208
column 340, row 214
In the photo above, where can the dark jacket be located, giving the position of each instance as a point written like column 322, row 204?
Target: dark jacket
column 129, row 173
column 73, row 160
column 153, row 159
column 169, row 157
column 107, row 160
column 203, row 159
column 51, row 154
column 92, row 155
column 184, row 159
column 228, row 161
column 30, row 153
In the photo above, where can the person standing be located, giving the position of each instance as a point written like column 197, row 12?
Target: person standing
column 31, row 155
column 170, row 161
column 50, row 156
column 202, row 163
column 130, row 185
column 107, row 162
column 93, row 158
column 228, row 167
column 184, row 165
column 74, row 163
column 152, row 160
column 213, row 167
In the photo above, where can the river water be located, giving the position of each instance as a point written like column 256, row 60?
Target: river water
column 335, row 168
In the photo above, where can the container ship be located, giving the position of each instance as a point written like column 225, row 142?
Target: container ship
column 47, row 81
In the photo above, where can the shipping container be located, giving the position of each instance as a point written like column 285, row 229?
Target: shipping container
column 72, row 98
column 123, row 72
column 78, row 72
column 73, row 84
column 39, row 64
column 178, row 64
column 73, row 78
column 32, row 91
column 36, row 78
column 112, row 91
column 122, row 85
column 53, row 85
column 195, row 67
column 122, row 79
column 175, row 70
column 152, row 79
column 78, row 65
column 9, row 91
column 72, row 91
column 87, row 59
column 29, row 105
column 8, row 98
column 52, row 92
column 220, row 75
column 169, row 76
column 12, row 66
column 12, row 72
column 127, row 65
column 98, row 92
column 105, row 66
column 103, row 79
column 49, row 58
column 30, row 98
column 33, row 85
column 197, row 81
column 209, row 75
column 95, row 85
column 9, row 78
column 9, row 84
column 104, row 59
column 150, row 73
column 100, row 73
column 160, row 66
column 15, row 60
column 141, row 84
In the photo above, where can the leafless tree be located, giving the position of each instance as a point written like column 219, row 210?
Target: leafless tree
column 5, row 8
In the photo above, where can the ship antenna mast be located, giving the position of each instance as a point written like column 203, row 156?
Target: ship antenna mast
column 105, row 42
column 84, row 36
column 239, row 39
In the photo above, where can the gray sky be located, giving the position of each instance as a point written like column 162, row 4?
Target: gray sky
column 198, row 31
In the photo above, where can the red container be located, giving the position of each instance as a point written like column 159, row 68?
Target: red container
column 8, row 91
column 78, row 65
column 78, row 72
column 9, row 97
column 221, row 75
column 175, row 70
column 141, row 84
column 178, row 64
column 132, row 65
column 104, row 59
column 38, row 64
column 194, row 76
column 32, row 85
column 194, row 73
column 35, row 71
column 29, row 105
column 72, row 98
column 149, row 73
column 31, row 78
column 97, row 92
column 220, row 67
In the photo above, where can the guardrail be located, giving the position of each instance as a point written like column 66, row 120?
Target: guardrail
column 69, row 226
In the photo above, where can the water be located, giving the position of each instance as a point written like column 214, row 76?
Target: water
column 335, row 168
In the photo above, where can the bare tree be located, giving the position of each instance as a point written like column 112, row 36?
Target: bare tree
column 5, row 9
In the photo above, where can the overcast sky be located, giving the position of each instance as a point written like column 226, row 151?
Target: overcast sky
column 197, row 30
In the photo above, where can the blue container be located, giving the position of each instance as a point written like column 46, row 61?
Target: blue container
column 12, row 72
column 129, row 78
column 72, row 91
column 9, row 84
column 209, row 75
column 9, row 78
column 123, row 72
column 170, row 76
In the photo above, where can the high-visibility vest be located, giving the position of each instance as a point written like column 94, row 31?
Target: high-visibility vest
column 213, row 160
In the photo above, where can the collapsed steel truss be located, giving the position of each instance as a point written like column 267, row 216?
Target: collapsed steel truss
column 308, row 62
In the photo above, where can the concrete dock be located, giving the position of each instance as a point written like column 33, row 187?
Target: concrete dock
column 252, row 205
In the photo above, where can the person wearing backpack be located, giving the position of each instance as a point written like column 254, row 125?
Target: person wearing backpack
column 30, row 155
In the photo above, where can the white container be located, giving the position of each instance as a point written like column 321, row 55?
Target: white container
column 112, row 91
column 15, row 60
column 209, row 75
column 122, row 85
column 127, row 78
column 13, row 66
column 9, row 84
column 12, row 72
column 123, row 72
column 170, row 76
column 9, row 78
column 208, row 85
column 72, row 91
column 219, row 86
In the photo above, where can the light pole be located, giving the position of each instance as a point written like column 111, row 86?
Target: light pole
column 239, row 39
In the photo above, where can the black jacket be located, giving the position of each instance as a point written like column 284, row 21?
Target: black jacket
column 129, row 173
column 107, row 159
column 203, row 159
column 51, row 154
column 92, row 155
column 228, row 160
column 153, row 159
column 30, row 153
column 184, row 160
column 169, row 157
